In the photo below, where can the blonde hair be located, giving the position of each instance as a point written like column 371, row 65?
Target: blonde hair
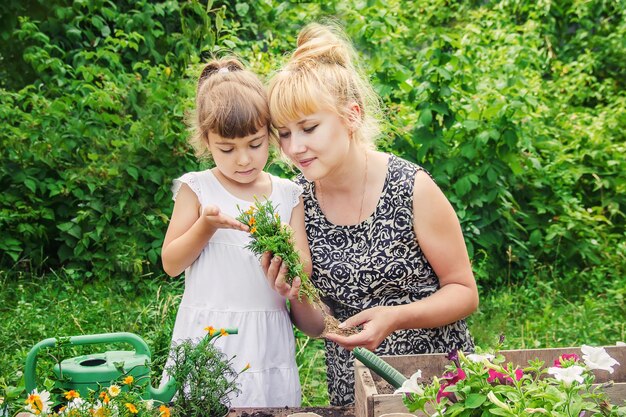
column 231, row 102
column 322, row 75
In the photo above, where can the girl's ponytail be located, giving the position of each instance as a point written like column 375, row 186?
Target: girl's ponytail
column 221, row 66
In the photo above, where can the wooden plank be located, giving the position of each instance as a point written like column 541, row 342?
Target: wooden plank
column 364, row 390
column 617, row 393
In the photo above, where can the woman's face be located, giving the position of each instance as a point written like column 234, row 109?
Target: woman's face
column 317, row 143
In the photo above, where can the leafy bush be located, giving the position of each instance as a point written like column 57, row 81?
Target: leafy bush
column 516, row 107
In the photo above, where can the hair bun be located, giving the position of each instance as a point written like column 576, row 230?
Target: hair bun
column 322, row 43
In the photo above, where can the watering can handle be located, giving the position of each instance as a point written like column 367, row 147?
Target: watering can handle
column 30, row 377
column 382, row 368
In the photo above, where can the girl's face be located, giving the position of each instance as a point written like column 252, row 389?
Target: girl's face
column 317, row 143
column 240, row 159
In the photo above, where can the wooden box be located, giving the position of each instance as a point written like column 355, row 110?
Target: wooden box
column 374, row 396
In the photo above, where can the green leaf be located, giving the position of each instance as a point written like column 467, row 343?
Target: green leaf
column 132, row 171
column 242, row 9
column 30, row 184
column 475, row 400
column 426, row 117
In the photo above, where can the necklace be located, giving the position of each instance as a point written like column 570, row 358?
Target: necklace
column 321, row 193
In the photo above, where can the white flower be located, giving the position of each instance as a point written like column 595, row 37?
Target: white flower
column 536, row 410
column 597, row 358
column 38, row 402
column 568, row 375
column 114, row 391
column 492, row 397
column 149, row 404
column 410, row 386
column 476, row 357
column 75, row 404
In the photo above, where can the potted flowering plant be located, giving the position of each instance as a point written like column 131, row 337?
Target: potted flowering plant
column 482, row 384
column 206, row 379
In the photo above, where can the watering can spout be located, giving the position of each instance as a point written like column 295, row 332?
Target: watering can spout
column 165, row 392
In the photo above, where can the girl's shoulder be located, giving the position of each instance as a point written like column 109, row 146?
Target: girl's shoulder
column 193, row 180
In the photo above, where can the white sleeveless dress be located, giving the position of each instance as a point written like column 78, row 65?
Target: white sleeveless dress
column 225, row 287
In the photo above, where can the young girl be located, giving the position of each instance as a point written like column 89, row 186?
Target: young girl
column 224, row 284
column 387, row 249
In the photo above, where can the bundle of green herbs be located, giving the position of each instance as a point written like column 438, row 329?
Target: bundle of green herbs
column 269, row 234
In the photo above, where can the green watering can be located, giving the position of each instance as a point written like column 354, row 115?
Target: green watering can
column 91, row 372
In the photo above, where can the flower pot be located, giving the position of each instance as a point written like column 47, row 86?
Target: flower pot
column 375, row 397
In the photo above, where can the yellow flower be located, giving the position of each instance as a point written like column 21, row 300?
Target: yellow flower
column 165, row 411
column 114, row 391
column 129, row 380
column 131, row 408
column 168, row 71
column 251, row 221
column 253, row 230
column 71, row 394
column 223, row 332
column 210, row 329
column 245, row 368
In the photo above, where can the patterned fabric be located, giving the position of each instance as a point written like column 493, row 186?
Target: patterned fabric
column 375, row 263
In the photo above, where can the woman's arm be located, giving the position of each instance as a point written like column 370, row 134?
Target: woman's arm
column 189, row 232
column 439, row 234
column 303, row 315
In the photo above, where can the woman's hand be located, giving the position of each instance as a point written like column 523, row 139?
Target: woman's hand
column 217, row 220
column 276, row 272
column 377, row 322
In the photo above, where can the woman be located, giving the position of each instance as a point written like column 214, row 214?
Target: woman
column 387, row 248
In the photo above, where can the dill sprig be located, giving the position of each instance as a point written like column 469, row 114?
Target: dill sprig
column 269, row 234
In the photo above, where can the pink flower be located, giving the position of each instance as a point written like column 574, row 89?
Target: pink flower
column 450, row 378
column 500, row 378
column 565, row 357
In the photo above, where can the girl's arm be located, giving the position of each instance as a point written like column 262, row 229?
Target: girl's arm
column 303, row 315
column 439, row 234
column 189, row 231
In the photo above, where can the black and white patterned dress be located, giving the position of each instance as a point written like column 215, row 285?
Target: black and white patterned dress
column 375, row 263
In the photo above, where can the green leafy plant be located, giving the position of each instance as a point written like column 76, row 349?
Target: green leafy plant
column 482, row 384
column 206, row 380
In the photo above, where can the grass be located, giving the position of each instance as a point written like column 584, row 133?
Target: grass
column 538, row 314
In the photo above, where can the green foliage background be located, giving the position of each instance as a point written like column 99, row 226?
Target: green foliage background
column 517, row 107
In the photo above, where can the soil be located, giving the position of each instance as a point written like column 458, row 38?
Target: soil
column 331, row 325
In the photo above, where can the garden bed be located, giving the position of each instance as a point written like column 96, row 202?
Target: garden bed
column 287, row 411
column 374, row 396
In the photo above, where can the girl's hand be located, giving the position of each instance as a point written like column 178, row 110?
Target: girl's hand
column 218, row 220
column 377, row 324
column 276, row 273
